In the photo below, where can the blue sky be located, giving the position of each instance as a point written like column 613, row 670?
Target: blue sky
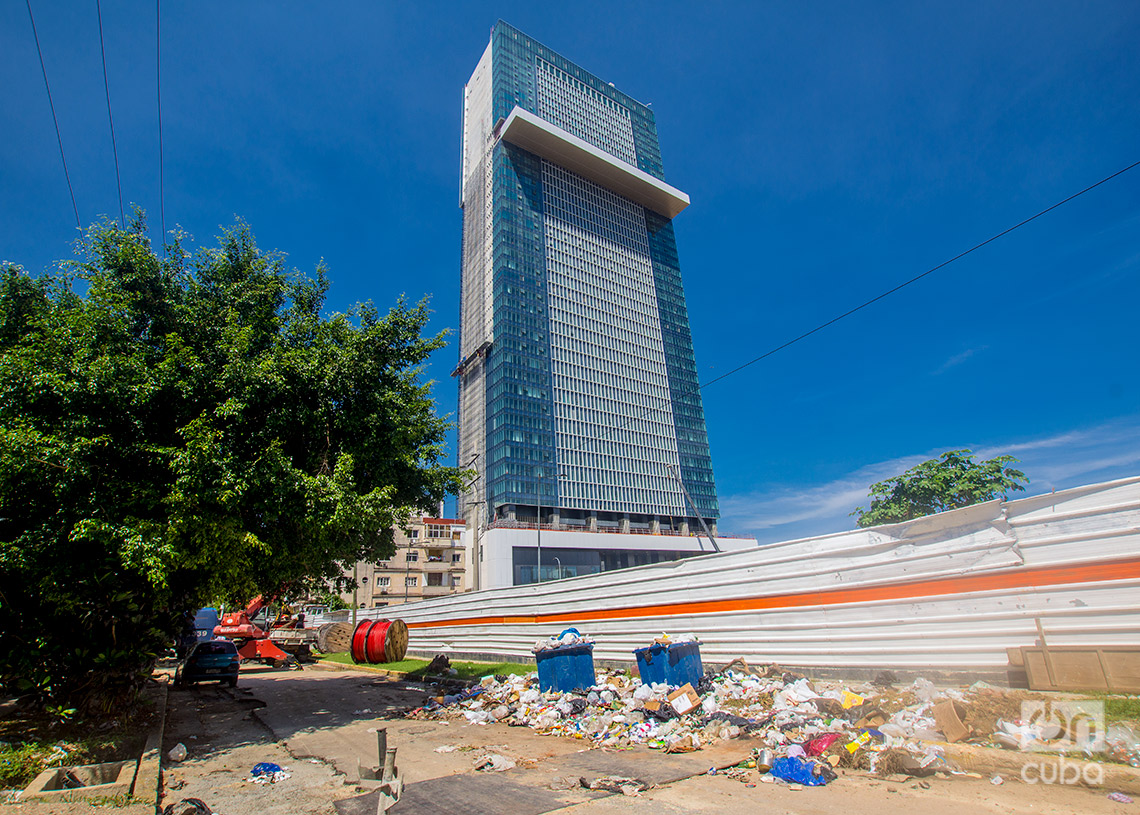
column 831, row 151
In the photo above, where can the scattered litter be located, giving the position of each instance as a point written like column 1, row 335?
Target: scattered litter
column 684, row 699
column 816, row 728
column 799, row 771
column 494, row 763
column 188, row 806
column 362, row 711
column 177, row 752
column 567, row 639
column 997, row 780
column 617, row 784
column 1119, row 797
column 268, row 773
column 446, row 748
column 568, row 782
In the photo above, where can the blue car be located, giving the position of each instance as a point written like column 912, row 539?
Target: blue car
column 212, row 660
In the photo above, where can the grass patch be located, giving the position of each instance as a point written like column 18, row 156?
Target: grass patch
column 35, row 741
column 1117, row 707
column 416, row 667
column 1122, row 709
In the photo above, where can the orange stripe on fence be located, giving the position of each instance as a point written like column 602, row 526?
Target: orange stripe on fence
column 991, row 581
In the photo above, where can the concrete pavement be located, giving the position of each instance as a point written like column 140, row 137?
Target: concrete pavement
column 330, row 718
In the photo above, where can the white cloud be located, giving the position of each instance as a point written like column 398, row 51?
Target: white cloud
column 782, row 512
column 957, row 359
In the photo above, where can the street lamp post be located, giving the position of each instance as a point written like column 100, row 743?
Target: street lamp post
column 559, row 562
column 538, row 538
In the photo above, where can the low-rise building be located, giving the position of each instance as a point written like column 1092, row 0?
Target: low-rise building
column 430, row 561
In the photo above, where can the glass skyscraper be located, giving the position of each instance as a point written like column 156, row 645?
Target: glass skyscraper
column 577, row 383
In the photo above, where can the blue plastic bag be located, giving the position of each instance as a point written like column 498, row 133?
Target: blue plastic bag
column 264, row 768
column 797, row 771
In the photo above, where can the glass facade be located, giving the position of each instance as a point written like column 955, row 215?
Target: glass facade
column 578, row 386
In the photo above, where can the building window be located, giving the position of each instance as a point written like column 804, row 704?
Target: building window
column 435, row 579
column 411, row 581
column 456, row 557
column 383, row 582
column 438, row 532
column 413, row 533
column 412, row 557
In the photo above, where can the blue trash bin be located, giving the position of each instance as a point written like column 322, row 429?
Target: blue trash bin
column 566, row 669
column 673, row 665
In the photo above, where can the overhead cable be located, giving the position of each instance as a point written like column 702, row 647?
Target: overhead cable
column 107, row 89
column 54, row 119
column 158, row 84
column 914, row 279
column 645, row 411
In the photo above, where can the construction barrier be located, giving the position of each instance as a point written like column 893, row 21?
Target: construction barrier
column 951, row 591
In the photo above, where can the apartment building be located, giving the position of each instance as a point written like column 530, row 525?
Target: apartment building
column 430, row 561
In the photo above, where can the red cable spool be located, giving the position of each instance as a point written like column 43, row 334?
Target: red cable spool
column 379, row 641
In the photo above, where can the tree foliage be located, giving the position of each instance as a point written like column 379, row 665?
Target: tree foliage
column 950, row 481
column 190, row 428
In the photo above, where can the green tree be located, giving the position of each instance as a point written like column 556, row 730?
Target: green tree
column 187, row 429
column 950, row 481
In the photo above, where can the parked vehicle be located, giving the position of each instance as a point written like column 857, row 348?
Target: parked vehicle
column 209, row 661
column 204, row 622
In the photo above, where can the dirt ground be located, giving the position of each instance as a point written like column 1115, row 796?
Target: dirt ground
column 224, row 740
column 321, row 725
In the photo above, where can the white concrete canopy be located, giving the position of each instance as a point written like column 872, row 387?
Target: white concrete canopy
column 523, row 129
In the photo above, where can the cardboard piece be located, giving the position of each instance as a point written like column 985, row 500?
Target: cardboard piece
column 684, row 699
column 850, row 699
column 652, row 704
column 948, row 715
column 872, row 718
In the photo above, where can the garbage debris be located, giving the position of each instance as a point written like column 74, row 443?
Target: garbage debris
column 177, row 752
column 1119, row 797
column 799, row 771
column 267, row 772
column 948, row 716
column 567, row 639
column 188, row 806
column 494, row 763
column 617, row 784
column 1122, row 743
column 808, row 731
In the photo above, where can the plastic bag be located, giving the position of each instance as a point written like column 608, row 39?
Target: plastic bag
column 818, row 746
column 799, row 771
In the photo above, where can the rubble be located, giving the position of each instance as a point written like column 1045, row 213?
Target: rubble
column 808, row 731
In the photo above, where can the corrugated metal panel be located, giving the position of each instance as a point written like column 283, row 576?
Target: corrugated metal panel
column 906, row 596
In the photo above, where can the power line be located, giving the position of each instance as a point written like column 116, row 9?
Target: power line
column 914, row 279
column 646, row 411
column 58, row 137
column 107, row 88
column 158, row 83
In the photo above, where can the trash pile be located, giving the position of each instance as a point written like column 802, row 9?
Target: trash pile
column 808, row 730
column 567, row 639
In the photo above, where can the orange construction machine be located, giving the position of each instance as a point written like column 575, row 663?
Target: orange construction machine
column 252, row 642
